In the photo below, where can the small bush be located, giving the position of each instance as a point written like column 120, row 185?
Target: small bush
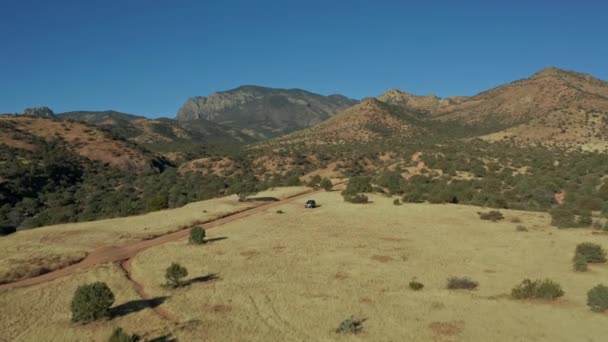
column 597, row 298
column 579, row 263
column 280, row 211
column 456, row 283
column 521, row 228
column 584, row 220
column 197, row 235
column 91, row 302
column 537, row 289
column 119, row 335
column 397, row 201
column 326, row 184
column 357, row 198
column 493, row 215
column 350, row 326
column 515, row 220
column 416, row 285
column 592, row 252
column 174, row 275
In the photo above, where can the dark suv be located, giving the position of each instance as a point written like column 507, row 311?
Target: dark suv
column 310, row 204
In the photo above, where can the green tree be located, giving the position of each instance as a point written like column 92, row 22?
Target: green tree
column 358, row 184
column 91, row 302
column 245, row 188
column 174, row 275
column 197, row 235
column 326, row 184
column 597, row 298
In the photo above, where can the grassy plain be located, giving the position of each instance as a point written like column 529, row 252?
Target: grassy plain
column 295, row 276
column 31, row 252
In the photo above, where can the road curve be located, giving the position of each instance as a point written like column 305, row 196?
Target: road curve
column 116, row 254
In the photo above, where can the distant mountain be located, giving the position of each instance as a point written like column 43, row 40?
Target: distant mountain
column 162, row 135
column 264, row 112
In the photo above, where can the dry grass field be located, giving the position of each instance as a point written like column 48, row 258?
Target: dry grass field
column 32, row 252
column 42, row 313
column 295, row 276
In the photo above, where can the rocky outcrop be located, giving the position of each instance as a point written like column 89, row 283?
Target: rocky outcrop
column 39, row 111
column 264, row 112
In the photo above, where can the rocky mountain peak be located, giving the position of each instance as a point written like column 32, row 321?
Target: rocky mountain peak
column 39, row 111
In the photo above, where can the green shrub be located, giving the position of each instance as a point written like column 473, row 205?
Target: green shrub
column 562, row 217
column 356, row 198
column 358, row 184
column 521, row 228
column 584, row 220
column 592, row 252
column 456, row 283
column 174, row 275
column 350, row 326
column 416, row 285
column 537, row 289
column 597, row 298
column 91, row 302
column 197, row 235
column 314, row 181
column 280, row 211
column 326, row 184
column 579, row 263
column 396, row 202
column 119, row 335
column 493, row 215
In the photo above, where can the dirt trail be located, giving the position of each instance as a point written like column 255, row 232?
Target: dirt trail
column 109, row 254
column 139, row 288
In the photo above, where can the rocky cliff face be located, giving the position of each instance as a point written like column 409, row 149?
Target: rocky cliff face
column 39, row 111
column 264, row 112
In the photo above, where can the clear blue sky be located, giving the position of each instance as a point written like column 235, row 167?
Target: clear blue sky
column 148, row 57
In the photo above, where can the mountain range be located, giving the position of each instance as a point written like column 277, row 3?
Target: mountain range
column 552, row 107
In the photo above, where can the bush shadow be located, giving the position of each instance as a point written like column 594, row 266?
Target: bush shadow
column 215, row 239
column 203, row 279
column 136, row 306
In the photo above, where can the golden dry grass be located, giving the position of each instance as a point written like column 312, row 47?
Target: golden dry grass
column 42, row 313
column 295, row 276
column 32, row 252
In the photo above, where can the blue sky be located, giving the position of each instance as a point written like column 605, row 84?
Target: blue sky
column 148, row 57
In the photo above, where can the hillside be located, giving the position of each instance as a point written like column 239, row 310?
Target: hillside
column 166, row 136
column 263, row 112
column 552, row 106
column 26, row 132
column 368, row 121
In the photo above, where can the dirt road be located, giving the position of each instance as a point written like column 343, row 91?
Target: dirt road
column 118, row 254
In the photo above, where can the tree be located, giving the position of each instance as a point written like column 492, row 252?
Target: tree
column 597, row 298
column 197, row 235
column 562, row 217
column 245, row 188
column 174, row 275
column 91, row 302
column 358, row 184
column 326, row 184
